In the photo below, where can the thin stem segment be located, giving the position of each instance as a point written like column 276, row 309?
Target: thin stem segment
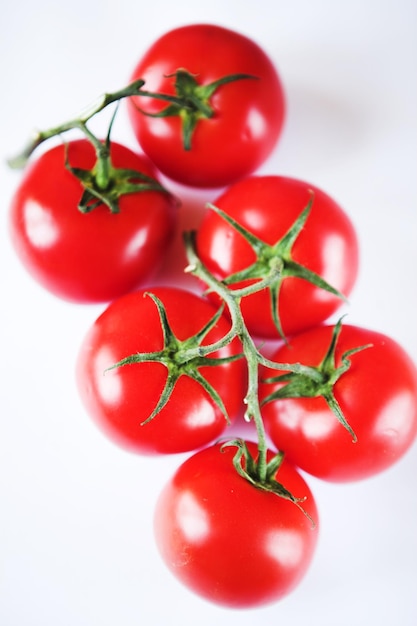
column 251, row 354
column 79, row 123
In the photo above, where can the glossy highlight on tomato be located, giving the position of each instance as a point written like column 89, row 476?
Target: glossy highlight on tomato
column 248, row 113
column 228, row 541
column 327, row 245
column 121, row 399
column 377, row 395
column 91, row 257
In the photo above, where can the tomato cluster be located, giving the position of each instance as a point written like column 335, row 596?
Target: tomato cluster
column 165, row 370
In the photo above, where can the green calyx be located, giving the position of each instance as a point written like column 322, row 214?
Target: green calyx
column 191, row 101
column 313, row 382
column 119, row 183
column 249, row 470
column 181, row 358
column 106, row 184
column 274, row 263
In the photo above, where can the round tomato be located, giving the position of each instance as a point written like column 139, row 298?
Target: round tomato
column 234, row 128
column 95, row 256
column 377, row 395
column 229, row 541
column 121, row 399
column 268, row 207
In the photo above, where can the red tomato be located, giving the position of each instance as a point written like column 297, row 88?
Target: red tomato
column 327, row 245
column 247, row 113
column 89, row 257
column 121, row 399
column 377, row 396
column 228, row 541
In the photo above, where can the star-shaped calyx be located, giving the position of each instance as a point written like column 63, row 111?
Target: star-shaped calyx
column 273, row 263
column 181, row 358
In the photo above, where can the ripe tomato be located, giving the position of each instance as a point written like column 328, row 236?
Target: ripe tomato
column 327, row 245
column 228, row 541
column 121, row 399
column 377, row 395
column 247, row 114
column 89, row 257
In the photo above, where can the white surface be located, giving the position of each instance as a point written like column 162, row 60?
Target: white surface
column 76, row 545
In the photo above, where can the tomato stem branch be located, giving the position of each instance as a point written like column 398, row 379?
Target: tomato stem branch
column 251, row 354
column 78, row 123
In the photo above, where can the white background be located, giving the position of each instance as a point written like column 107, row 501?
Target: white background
column 76, row 544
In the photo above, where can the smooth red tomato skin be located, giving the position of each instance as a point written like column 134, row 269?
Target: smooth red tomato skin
column 378, row 396
column 119, row 400
column 91, row 257
column 228, row 541
column 248, row 117
column 327, row 245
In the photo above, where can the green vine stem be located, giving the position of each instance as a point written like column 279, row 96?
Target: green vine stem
column 261, row 473
column 191, row 102
column 80, row 122
column 232, row 299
